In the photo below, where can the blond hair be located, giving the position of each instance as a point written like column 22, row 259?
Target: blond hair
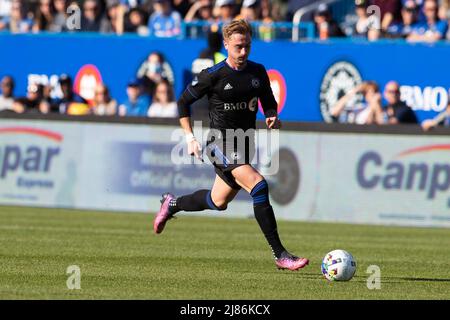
column 236, row 26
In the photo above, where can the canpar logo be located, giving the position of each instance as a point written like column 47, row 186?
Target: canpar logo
column 27, row 158
column 398, row 174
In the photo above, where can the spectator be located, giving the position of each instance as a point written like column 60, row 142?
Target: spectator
column 46, row 105
column 200, row 10
column 275, row 9
column 213, row 51
column 68, row 95
column 7, row 95
column 432, row 29
column 78, row 109
column 92, row 19
column 441, row 119
column 153, row 70
column 266, row 31
column 17, row 107
column 18, row 21
column 5, row 11
column 164, row 104
column 326, row 27
column 348, row 110
column 224, row 10
column 5, row 8
column 444, row 14
column 137, row 104
column 397, row 111
column 250, row 10
column 444, row 10
column 367, row 26
column 409, row 19
column 103, row 105
column 34, row 96
column 44, row 16
column 60, row 16
column 135, row 22
column 47, row 89
column 164, row 22
column 181, row 6
column 390, row 12
column 34, row 102
column 115, row 14
column 419, row 4
column 130, row 4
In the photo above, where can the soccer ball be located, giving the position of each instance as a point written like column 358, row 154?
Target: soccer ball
column 338, row 265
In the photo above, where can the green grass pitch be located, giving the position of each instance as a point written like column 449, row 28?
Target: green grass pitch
column 208, row 258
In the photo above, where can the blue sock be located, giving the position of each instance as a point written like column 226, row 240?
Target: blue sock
column 266, row 218
column 198, row 201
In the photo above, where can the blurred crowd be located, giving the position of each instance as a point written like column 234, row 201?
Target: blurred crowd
column 414, row 20
column 150, row 93
column 364, row 105
column 160, row 18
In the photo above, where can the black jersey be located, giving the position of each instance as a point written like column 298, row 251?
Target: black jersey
column 233, row 95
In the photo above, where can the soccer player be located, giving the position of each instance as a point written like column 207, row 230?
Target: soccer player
column 233, row 87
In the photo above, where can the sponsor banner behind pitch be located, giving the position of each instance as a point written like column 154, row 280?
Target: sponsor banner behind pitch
column 363, row 178
column 40, row 162
column 95, row 166
column 370, row 179
column 344, row 177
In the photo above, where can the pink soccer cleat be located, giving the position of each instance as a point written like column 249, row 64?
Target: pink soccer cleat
column 163, row 215
column 291, row 262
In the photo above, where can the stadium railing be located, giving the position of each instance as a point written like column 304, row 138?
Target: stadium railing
column 340, row 7
column 266, row 31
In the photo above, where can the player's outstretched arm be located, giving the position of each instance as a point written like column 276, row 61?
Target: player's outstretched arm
column 194, row 91
column 194, row 147
column 268, row 103
column 184, row 111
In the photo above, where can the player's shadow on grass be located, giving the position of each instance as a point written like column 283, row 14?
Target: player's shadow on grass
column 419, row 279
column 306, row 274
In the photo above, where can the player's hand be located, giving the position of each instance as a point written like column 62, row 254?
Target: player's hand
column 273, row 123
column 195, row 149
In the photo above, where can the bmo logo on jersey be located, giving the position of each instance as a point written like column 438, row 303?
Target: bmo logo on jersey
column 252, row 105
column 235, row 106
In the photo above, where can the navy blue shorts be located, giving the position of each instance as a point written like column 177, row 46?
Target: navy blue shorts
column 226, row 157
